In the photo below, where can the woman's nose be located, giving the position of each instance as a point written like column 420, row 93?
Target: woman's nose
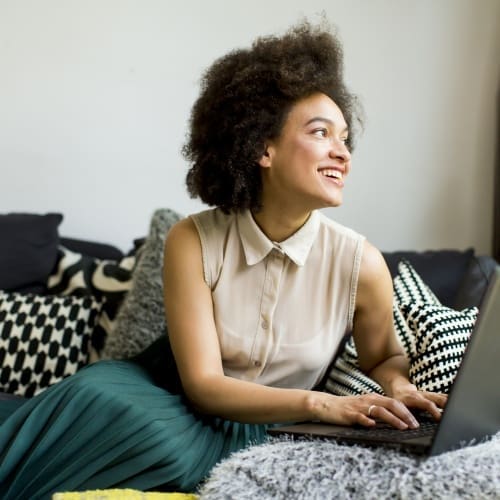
column 339, row 150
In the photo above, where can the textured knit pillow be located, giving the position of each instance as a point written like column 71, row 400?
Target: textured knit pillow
column 42, row 339
column 141, row 319
column 433, row 336
column 107, row 280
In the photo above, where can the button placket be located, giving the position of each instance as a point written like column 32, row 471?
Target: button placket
column 264, row 337
column 277, row 266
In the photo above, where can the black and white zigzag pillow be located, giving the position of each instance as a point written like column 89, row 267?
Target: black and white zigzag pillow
column 346, row 378
column 410, row 288
column 433, row 336
column 441, row 336
column 106, row 280
column 42, row 339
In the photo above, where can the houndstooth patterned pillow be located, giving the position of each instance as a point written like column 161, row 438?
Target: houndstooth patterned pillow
column 42, row 339
column 433, row 336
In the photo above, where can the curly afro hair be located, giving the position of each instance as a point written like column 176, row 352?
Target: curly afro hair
column 244, row 101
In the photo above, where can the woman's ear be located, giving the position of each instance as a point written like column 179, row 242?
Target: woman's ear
column 265, row 159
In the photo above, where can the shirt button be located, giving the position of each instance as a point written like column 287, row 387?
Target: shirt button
column 264, row 324
column 257, row 363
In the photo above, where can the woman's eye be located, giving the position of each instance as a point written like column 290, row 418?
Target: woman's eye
column 320, row 132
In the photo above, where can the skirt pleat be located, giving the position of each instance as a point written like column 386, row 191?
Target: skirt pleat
column 110, row 426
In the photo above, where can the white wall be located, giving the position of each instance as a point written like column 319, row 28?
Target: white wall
column 95, row 97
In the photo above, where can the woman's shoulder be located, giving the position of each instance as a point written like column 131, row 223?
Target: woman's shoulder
column 212, row 223
column 336, row 229
column 205, row 222
column 212, row 228
column 212, row 217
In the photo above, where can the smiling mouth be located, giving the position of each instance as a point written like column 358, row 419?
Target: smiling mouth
column 332, row 174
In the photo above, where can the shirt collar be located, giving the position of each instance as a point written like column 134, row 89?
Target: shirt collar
column 257, row 245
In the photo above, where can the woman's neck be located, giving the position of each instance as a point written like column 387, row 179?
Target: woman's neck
column 277, row 225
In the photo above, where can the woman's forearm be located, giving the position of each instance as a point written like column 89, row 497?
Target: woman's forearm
column 391, row 374
column 249, row 402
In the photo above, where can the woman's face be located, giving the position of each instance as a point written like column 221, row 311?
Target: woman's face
column 307, row 164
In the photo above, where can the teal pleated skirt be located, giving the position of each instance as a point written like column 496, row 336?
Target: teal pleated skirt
column 110, row 426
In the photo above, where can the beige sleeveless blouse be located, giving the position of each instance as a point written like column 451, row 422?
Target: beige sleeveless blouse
column 280, row 309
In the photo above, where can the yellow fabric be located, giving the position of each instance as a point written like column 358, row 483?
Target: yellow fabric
column 119, row 494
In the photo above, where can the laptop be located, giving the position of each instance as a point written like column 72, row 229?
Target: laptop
column 472, row 412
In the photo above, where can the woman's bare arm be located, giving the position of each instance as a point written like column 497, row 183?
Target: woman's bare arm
column 380, row 354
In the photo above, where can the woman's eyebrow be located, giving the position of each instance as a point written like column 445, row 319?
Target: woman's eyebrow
column 325, row 120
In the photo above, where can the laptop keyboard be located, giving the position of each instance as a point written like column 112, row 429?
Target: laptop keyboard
column 425, row 429
column 385, row 432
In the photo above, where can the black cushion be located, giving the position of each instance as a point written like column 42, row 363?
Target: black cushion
column 442, row 270
column 28, row 249
column 473, row 287
column 94, row 249
column 158, row 359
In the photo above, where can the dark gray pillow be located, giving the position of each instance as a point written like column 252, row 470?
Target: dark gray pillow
column 141, row 318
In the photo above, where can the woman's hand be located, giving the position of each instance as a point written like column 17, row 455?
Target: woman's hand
column 411, row 397
column 363, row 410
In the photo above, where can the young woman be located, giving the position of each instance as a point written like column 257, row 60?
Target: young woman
column 259, row 292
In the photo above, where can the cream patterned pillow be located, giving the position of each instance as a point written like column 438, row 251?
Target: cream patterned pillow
column 107, row 280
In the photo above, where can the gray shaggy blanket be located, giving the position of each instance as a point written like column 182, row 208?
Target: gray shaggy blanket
column 320, row 469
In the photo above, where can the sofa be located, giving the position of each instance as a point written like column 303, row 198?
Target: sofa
column 66, row 302
column 50, row 329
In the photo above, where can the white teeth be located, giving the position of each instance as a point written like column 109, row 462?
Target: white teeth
column 332, row 173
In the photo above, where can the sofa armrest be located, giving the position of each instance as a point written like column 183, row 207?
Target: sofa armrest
column 442, row 270
column 475, row 282
column 94, row 249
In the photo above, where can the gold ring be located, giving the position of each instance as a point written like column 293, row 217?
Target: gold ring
column 370, row 410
